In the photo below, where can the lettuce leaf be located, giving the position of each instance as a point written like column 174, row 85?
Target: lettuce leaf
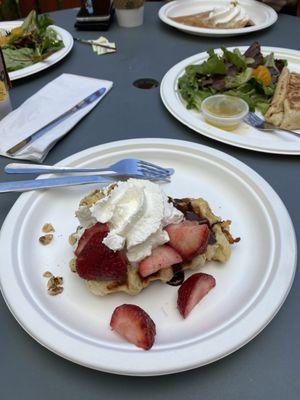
column 238, row 79
column 18, row 58
column 213, row 65
column 235, row 57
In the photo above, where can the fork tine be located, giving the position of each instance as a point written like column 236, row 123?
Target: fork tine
column 256, row 118
column 158, row 168
column 251, row 119
column 153, row 171
column 151, row 177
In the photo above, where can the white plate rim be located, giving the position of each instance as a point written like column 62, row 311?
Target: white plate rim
column 169, row 98
column 116, row 361
column 165, row 9
column 65, row 36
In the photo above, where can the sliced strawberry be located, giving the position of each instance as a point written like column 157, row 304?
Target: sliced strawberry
column 88, row 233
column 161, row 257
column 134, row 324
column 188, row 238
column 192, row 291
column 97, row 262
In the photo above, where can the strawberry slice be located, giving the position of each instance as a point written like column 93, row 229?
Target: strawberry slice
column 192, row 291
column 161, row 257
column 134, row 324
column 88, row 233
column 97, row 262
column 188, row 238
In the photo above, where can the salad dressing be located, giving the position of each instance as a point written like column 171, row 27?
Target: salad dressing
column 224, row 112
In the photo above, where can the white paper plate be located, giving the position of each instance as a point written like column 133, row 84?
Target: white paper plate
column 244, row 136
column 64, row 35
column 250, row 289
column 262, row 15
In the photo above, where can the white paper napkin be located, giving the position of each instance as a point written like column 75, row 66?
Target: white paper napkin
column 50, row 102
column 102, row 50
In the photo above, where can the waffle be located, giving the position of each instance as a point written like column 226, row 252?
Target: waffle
column 218, row 249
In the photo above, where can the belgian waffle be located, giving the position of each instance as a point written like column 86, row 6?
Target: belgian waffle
column 218, row 249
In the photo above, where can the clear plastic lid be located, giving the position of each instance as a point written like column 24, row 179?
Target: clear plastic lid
column 224, row 107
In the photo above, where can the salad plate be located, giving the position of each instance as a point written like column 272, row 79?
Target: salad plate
column 250, row 287
column 62, row 34
column 244, row 136
column 261, row 14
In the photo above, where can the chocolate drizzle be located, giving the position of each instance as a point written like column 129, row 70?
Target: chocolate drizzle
column 178, row 276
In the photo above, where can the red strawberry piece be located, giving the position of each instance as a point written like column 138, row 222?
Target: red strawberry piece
column 188, row 238
column 161, row 257
column 88, row 233
column 134, row 324
column 192, row 291
column 97, row 262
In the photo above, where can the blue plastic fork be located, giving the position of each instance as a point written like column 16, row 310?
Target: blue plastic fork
column 126, row 168
column 258, row 123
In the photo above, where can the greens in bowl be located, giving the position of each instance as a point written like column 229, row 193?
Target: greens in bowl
column 31, row 42
column 250, row 76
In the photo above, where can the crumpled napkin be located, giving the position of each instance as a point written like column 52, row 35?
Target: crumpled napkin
column 102, row 50
column 48, row 103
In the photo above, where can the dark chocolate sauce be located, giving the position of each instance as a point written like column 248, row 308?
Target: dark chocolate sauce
column 178, row 276
column 212, row 238
column 191, row 216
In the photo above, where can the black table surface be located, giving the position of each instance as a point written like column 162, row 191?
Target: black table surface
column 266, row 368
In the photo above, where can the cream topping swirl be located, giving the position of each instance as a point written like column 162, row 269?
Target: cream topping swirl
column 227, row 16
column 136, row 212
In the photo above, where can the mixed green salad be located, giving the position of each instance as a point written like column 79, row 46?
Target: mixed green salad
column 250, row 76
column 30, row 43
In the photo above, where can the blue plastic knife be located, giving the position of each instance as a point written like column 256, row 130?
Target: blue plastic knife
column 84, row 103
column 47, row 183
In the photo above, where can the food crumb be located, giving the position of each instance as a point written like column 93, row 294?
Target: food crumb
column 53, row 291
column 47, row 274
column 54, row 284
column 47, row 228
column 46, row 239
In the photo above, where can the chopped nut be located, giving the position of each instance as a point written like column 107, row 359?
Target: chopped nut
column 58, row 280
column 72, row 239
column 54, row 284
column 46, row 239
column 55, row 281
column 47, row 274
column 53, row 291
column 50, row 282
column 47, row 228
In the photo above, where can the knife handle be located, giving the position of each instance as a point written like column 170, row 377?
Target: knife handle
column 37, row 184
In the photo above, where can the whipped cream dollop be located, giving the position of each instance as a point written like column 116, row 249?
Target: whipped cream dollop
column 227, row 16
column 136, row 212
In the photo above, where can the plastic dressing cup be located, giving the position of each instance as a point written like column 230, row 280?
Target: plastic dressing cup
column 225, row 112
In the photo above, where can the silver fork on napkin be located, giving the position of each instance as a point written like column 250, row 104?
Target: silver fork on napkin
column 258, row 123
